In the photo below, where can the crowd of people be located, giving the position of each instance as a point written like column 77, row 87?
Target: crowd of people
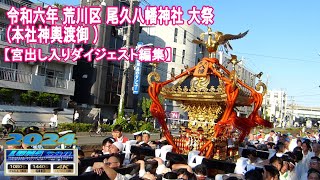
column 290, row 157
column 265, row 156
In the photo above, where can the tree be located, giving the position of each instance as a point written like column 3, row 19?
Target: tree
column 145, row 106
column 59, row 6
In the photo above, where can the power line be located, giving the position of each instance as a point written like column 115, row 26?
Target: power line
column 251, row 62
column 308, row 90
column 275, row 57
column 267, row 56
column 307, row 95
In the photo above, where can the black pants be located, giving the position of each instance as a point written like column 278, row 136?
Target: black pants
column 8, row 127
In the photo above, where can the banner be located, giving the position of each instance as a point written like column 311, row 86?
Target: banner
column 137, row 73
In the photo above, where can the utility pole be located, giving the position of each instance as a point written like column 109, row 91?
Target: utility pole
column 126, row 64
column 292, row 109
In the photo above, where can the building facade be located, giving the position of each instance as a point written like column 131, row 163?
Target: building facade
column 275, row 105
column 98, row 83
column 244, row 74
column 184, row 54
column 54, row 77
column 298, row 115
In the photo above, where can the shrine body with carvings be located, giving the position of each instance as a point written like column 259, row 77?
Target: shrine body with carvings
column 209, row 93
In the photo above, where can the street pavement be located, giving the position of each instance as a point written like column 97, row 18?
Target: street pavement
column 24, row 119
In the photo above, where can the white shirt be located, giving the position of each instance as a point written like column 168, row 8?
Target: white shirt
column 284, row 176
column 304, row 176
column 300, row 169
column 123, row 177
column 142, row 142
column 54, row 120
column 244, row 164
column 306, row 158
column 76, row 116
column 292, row 175
column 6, row 119
column 120, row 139
column 293, row 144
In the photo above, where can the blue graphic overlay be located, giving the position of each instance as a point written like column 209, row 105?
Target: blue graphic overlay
column 47, row 139
column 14, row 155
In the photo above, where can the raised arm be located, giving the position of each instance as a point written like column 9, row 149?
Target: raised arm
column 111, row 173
column 182, row 166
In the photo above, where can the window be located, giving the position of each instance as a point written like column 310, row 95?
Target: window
column 174, row 54
column 199, row 44
column 184, row 37
column 175, row 34
column 51, row 73
column 172, row 72
column 183, row 54
column 10, row 65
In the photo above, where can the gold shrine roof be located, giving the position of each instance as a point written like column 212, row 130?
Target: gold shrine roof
column 201, row 89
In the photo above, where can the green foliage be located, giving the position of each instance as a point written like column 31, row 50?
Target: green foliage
column 43, row 98
column 120, row 120
column 106, row 128
column 146, row 126
column 267, row 118
column 134, row 125
column 47, row 99
column 6, row 95
column 145, row 106
column 59, row 6
column 28, row 97
column 75, row 127
column 124, row 123
column 134, row 118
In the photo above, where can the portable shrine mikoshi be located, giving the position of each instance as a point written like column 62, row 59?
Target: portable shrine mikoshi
column 209, row 93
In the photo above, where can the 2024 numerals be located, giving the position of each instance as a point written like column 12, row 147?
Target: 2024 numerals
column 47, row 139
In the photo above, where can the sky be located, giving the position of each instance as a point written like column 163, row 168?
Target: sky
column 283, row 40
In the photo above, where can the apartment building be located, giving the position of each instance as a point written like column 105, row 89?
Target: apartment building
column 244, row 74
column 98, row 83
column 275, row 105
column 54, row 77
column 184, row 54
